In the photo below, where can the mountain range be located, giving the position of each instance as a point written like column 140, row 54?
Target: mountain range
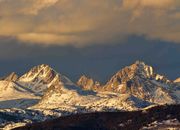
column 42, row 94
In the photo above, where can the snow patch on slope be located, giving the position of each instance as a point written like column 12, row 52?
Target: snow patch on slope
column 12, row 95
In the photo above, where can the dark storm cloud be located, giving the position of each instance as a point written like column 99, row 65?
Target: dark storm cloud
column 97, row 61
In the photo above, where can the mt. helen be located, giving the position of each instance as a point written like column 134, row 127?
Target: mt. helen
column 47, row 93
column 141, row 81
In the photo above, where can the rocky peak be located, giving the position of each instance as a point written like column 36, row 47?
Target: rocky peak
column 11, row 77
column 84, row 80
column 87, row 83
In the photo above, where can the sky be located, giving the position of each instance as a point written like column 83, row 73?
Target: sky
column 91, row 37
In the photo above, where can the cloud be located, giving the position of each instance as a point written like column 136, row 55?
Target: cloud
column 148, row 3
column 84, row 22
column 11, row 7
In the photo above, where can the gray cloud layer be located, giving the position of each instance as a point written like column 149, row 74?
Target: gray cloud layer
column 84, row 22
column 98, row 61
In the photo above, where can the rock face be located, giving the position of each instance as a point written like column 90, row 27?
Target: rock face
column 11, row 77
column 88, row 83
column 141, row 81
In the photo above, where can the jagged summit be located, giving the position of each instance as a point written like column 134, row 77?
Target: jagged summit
column 85, row 82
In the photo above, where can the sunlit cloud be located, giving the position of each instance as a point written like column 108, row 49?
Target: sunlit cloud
column 84, row 22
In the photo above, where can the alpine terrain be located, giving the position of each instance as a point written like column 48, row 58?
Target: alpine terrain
column 43, row 94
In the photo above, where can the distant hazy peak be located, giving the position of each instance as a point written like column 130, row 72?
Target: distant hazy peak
column 87, row 83
column 11, row 77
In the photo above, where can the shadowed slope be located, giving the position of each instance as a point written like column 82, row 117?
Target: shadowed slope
column 110, row 120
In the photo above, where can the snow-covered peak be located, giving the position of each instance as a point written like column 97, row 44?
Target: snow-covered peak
column 40, row 71
column 41, row 77
column 43, row 72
